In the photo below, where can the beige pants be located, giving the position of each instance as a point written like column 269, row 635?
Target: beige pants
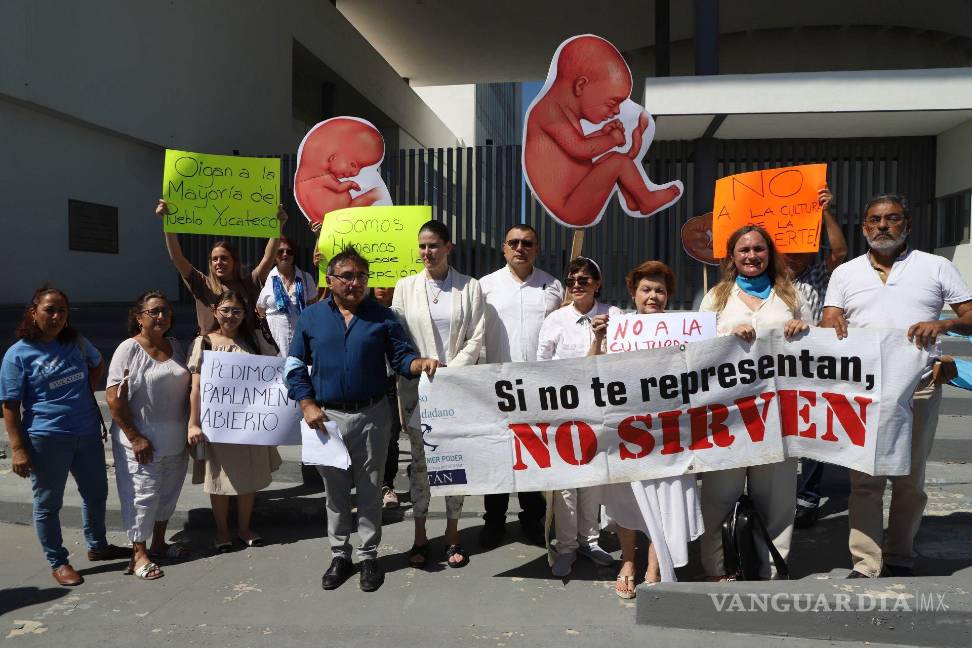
column 575, row 513
column 772, row 487
column 908, row 498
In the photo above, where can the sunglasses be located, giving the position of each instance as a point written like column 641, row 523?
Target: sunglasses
column 349, row 277
column 285, row 252
column 578, row 281
column 525, row 243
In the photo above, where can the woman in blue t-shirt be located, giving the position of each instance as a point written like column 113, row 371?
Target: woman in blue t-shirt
column 52, row 420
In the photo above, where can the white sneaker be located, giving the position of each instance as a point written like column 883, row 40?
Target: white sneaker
column 562, row 564
column 596, row 554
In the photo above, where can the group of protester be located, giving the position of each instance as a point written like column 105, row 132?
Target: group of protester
column 343, row 352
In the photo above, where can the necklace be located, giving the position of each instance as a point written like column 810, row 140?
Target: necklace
column 435, row 284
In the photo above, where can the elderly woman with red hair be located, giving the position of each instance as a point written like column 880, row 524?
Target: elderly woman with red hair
column 666, row 510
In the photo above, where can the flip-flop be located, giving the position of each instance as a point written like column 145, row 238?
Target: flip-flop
column 144, row 571
column 456, row 550
column 624, row 586
column 417, row 550
column 223, row 547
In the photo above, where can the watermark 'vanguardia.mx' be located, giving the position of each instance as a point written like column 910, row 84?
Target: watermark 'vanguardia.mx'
column 840, row 602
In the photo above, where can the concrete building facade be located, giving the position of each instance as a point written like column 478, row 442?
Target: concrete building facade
column 92, row 93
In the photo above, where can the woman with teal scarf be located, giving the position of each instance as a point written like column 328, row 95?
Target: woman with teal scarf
column 755, row 294
column 288, row 291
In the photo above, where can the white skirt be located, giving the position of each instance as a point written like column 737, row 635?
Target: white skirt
column 667, row 510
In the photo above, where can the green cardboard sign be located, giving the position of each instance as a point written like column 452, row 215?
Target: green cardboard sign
column 221, row 194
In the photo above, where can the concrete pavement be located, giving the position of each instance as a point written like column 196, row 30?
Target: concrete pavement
column 504, row 597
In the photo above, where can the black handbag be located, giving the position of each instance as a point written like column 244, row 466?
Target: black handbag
column 740, row 557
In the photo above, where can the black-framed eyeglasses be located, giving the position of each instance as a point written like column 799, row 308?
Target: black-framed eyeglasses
column 525, row 243
column 285, row 252
column 349, row 277
column 892, row 219
column 228, row 311
column 156, row 312
column 579, row 281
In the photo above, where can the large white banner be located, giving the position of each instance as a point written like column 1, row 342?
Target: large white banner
column 716, row 404
column 244, row 400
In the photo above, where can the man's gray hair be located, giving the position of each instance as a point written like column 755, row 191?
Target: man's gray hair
column 349, row 253
column 897, row 199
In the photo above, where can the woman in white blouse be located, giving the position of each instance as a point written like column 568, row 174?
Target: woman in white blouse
column 667, row 509
column 755, row 294
column 443, row 313
column 568, row 333
column 286, row 293
column 148, row 393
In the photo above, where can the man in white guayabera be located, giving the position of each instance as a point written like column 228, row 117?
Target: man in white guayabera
column 518, row 297
column 893, row 286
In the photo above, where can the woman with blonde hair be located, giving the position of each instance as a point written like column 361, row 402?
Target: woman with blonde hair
column 755, row 294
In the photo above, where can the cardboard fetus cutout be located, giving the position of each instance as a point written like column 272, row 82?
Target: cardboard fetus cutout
column 697, row 239
column 337, row 167
column 584, row 138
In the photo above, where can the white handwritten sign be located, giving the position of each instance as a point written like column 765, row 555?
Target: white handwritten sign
column 244, row 400
column 636, row 332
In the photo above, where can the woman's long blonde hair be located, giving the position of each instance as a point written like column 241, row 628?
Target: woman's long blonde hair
column 776, row 270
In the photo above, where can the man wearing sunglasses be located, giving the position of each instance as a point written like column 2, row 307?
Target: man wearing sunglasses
column 346, row 340
column 893, row 286
column 518, row 297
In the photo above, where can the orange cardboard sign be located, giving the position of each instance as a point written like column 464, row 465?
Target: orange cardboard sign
column 782, row 201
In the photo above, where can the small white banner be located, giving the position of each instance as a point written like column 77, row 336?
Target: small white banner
column 634, row 332
column 244, row 400
column 715, row 404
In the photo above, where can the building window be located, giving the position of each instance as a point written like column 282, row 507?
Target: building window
column 92, row 227
column 952, row 215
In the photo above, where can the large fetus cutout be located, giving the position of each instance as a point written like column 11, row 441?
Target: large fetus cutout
column 585, row 138
column 337, row 167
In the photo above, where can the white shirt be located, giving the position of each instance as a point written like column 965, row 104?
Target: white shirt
column 918, row 287
column 773, row 313
column 282, row 322
column 515, row 311
column 440, row 309
column 158, row 395
column 567, row 333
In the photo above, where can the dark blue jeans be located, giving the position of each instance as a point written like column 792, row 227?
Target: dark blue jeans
column 808, row 492
column 53, row 457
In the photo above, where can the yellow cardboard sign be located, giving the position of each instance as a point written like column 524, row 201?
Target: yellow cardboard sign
column 221, row 194
column 387, row 236
column 782, row 201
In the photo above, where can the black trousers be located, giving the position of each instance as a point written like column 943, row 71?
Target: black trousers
column 532, row 505
column 391, row 460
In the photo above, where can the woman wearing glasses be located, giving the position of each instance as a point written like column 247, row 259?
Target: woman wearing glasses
column 229, row 468
column 442, row 311
column 147, row 388
column 225, row 273
column 568, row 333
column 285, row 295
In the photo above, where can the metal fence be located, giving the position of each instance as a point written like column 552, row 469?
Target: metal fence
column 479, row 193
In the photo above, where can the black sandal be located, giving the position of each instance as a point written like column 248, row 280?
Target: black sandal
column 456, row 550
column 422, row 551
